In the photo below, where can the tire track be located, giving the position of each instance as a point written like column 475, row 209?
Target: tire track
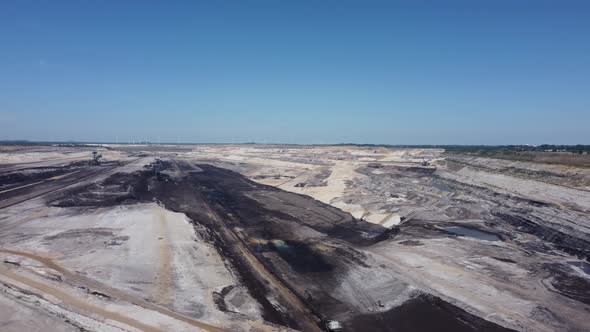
column 75, row 302
column 68, row 182
column 92, row 284
column 306, row 318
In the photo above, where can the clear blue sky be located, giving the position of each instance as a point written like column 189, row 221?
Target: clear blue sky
column 319, row 71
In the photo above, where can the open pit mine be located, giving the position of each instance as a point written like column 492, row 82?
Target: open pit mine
column 290, row 238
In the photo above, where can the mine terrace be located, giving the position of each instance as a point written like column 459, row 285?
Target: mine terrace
column 277, row 238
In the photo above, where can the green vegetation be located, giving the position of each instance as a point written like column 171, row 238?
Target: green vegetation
column 571, row 155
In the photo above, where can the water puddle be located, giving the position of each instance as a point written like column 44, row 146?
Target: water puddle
column 470, row 232
column 371, row 235
column 300, row 257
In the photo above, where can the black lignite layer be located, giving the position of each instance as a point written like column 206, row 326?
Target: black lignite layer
column 424, row 313
column 301, row 247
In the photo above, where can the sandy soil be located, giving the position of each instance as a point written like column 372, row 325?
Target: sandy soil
column 390, row 192
column 133, row 264
column 143, row 250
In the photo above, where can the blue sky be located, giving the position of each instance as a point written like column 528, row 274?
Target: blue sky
column 413, row 72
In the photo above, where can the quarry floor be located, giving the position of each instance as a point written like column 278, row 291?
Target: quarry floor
column 255, row 238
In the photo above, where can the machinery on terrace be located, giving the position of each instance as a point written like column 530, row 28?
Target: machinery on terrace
column 96, row 156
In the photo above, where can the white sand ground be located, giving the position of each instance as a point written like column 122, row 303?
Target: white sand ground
column 140, row 250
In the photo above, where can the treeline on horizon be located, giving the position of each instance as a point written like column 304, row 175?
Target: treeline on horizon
column 578, row 148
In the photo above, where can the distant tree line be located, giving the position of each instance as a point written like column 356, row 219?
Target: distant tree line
column 488, row 149
column 482, row 149
column 580, row 149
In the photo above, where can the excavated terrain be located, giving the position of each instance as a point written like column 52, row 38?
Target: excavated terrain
column 266, row 238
